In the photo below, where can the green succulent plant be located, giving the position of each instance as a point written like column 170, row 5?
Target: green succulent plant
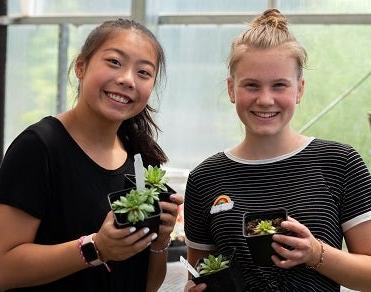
column 213, row 264
column 265, row 227
column 155, row 177
column 138, row 205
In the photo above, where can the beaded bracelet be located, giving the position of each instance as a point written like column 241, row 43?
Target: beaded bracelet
column 161, row 250
column 321, row 257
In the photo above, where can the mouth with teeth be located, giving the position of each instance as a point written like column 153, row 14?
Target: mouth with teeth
column 119, row 98
column 265, row 115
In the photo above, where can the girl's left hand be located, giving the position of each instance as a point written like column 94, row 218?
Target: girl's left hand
column 303, row 248
column 168, row 219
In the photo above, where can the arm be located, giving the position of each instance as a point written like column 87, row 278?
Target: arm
column 24, row 263
column 351, row 269
column 158, row 249
column 193, row 255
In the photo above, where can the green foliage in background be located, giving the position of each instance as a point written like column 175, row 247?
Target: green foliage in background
column 339, row 57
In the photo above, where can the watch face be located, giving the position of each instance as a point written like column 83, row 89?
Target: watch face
column 89, row 252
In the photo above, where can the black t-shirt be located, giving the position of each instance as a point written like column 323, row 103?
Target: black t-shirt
column 46, row 174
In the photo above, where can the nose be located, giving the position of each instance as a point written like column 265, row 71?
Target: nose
column 265, row 98
column 126, row 78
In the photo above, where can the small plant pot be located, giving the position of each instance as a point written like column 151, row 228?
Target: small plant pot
column 151, row 222
column 229, row 279
column 176, row 249
column 260, row 245
column 164, row 195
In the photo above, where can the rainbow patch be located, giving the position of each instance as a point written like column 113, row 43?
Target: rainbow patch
column 222, row 203
column 222, row 199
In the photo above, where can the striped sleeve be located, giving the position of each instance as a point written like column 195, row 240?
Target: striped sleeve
column 357, row 192
column 195, row 218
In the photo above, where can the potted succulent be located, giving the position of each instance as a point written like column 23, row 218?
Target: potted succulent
column 154, row 177
column 220, row 272
column 258, row 229
column 139, row 208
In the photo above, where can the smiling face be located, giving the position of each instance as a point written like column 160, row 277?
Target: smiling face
column 265, row 88
column 118, row 79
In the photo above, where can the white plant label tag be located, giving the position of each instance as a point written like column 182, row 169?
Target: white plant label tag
column 189, row 267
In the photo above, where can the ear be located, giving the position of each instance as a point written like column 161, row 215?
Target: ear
column 79, row 68
column 230, row 84
column 301, row 84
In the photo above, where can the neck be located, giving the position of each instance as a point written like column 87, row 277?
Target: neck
column 89, row 130
column 265, row 147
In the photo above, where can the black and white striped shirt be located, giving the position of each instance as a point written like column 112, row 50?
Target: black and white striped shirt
column 324, row 185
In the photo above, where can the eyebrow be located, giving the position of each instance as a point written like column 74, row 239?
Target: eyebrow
column 258, row 81
column 124, row 55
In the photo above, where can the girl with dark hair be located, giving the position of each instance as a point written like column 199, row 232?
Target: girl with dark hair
column 325, row 186
column 56, row 175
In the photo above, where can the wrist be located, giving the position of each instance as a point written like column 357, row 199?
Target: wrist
column 89, row 252
column 160, row 247
column 319, row 256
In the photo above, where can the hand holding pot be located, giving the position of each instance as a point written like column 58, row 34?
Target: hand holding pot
column 120, row 244
column 192, row 287
column 168, row 218
column 303, row 248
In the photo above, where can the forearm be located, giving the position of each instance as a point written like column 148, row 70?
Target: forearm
column 32, row 264
column 350, row 270
column 156, row 270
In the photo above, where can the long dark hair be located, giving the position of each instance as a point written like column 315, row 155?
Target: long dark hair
column 139, row 132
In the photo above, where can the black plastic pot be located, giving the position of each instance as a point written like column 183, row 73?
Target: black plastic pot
column 261, row 245
column 176, row 250
column 226, row 280
column 164, row 195
column 151, row 222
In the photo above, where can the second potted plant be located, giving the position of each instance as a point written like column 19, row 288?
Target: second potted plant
column 220, row 272
column 154, row 177
column 258, row 229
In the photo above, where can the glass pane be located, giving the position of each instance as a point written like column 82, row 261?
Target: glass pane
column 198, row 120
column 30, row 77
column 324, row 6
column 36, row 70
column 178, row 6
column 41, row 7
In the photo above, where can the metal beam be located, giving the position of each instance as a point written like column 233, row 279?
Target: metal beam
column 63, row 42
column 3, row 42
column 138, row 10
column 187, row 18
column 240, row 18
column 60, row 19
column 334, row 103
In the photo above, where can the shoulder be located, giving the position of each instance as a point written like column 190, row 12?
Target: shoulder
column 46, row 129
column 37, row 138
column 331, row 148
column 322, row 144
column 211, row 162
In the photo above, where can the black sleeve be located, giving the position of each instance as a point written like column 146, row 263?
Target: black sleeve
column 24, row 179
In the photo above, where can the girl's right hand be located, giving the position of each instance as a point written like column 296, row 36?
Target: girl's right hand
column 192, row 287
column 120, row 244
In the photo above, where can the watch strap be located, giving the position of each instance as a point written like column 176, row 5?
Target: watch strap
column 86, row 240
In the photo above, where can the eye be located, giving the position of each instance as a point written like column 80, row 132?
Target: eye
column 279, row 85
column 145, row 73
column 251, row 86
column 114, row 62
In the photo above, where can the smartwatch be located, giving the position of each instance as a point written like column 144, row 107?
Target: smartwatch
column 90, row 252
